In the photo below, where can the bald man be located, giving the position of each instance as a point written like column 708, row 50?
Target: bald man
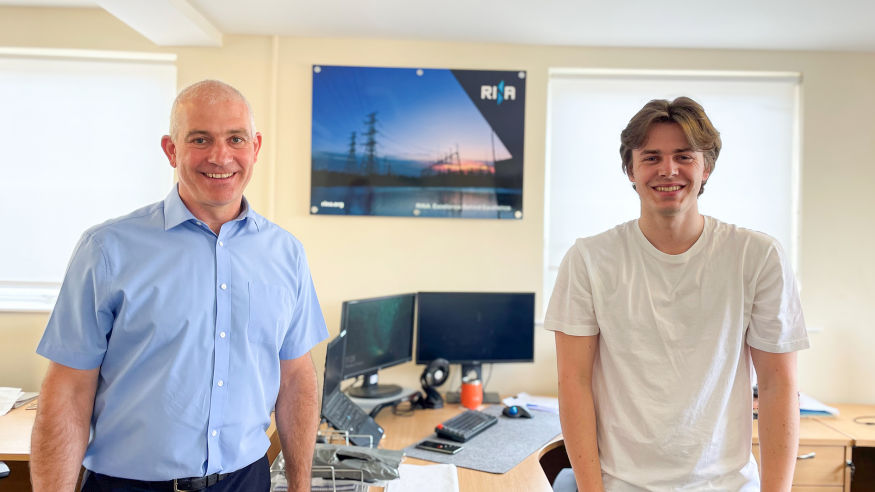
column 179, row 327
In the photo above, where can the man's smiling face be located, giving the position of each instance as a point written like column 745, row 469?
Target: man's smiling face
column 214, row 152
column 668, row 173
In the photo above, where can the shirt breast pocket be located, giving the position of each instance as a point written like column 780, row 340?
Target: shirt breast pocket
column 270, row 311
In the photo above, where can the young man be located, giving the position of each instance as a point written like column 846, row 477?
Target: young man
column 657, row 322
column 179, row 327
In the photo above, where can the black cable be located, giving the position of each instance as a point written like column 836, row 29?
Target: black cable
column 857, row 419
column 404, row 412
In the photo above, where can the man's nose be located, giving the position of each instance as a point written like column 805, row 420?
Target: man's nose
column 668, row 168
column 220, row 154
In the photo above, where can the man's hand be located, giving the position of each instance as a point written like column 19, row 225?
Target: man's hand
column 778, row 418
column 297, row 419
column 61, row 428
column 575, row 357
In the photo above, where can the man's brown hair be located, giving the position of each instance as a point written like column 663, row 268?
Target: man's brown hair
column 688, row 114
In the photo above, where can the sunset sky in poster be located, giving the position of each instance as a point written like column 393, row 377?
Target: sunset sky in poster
column 421, row 118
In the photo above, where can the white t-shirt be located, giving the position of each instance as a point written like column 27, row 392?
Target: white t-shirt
column 672, row 374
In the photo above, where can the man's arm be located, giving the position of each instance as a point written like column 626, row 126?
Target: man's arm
column 297, row 418
column 778, row 418
column 61, row 428
column 575, row 356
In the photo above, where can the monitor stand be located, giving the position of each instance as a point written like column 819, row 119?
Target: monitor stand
column 488, row 396
column 370, row 388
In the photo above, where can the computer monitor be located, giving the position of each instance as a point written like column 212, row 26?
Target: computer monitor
column 379, row 335
column 333, row 366
column 473, row 328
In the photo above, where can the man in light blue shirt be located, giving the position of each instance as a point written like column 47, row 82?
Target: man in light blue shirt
column 179, row 327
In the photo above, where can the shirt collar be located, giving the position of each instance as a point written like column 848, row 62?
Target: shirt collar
column 175, row 212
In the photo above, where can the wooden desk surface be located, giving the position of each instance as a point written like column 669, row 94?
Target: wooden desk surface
column 15, row 429
column 863, row 435
column 812, row 433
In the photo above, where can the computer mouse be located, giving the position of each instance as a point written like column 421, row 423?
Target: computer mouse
column 516, row 412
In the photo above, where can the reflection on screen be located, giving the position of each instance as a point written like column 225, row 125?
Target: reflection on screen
column 379, row 332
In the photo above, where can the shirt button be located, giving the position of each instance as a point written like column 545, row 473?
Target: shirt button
column 222, row 334
column 221, row 383
column 221, row 243
column 223, row 286
column 214, row 433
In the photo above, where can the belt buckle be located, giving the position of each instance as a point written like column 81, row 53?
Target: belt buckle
column 176, row 486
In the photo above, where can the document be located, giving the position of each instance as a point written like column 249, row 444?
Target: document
column 425, row 478
column 810, row 406
column 8, row 397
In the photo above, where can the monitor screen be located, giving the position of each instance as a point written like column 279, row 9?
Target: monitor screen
column 333, row 365
column 379, row 333
column 476, row 327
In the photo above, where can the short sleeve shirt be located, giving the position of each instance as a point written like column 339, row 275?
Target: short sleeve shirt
column 188, row 329
column 672, row 376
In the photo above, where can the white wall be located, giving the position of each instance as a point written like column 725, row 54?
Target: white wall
column 369, row 256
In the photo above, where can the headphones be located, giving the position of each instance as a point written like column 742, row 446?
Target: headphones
column 435, row 374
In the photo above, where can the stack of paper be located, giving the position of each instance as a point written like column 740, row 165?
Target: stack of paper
column 430, row 478
column 810, row 406
column 8, row 397
column 542, row 403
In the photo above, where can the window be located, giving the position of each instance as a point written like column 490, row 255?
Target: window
column 755, row 183
column 82, row 133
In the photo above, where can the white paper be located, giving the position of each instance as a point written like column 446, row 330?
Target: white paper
column 428, row 478
column 541, row 403
column 25, row 398
column 8, row 396
column 808, row 403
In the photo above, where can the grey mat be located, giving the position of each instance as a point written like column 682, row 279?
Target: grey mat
column 499, row 448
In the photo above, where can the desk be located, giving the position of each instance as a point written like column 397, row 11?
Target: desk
column 404, row 431
column 863, row 435
column 15, row 429
column 824, row 473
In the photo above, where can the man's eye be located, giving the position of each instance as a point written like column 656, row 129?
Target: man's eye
column 236, row 139
column 199, row 140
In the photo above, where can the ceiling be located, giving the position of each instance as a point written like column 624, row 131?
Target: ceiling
column 820, row 25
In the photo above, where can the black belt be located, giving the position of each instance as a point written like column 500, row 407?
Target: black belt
column 176, row 485
column 189, row 484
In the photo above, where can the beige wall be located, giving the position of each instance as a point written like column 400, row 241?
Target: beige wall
column 370, row 256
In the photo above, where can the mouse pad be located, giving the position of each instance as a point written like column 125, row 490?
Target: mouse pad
column 499, row 448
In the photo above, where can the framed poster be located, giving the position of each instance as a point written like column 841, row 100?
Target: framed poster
column 409, row 142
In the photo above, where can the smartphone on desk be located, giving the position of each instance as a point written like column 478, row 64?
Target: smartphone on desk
column 439, row 447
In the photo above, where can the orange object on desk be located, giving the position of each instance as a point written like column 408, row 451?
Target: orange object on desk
column 472, row 393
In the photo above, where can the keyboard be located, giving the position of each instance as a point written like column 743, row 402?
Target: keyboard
column 343, row 414
column 464, row 426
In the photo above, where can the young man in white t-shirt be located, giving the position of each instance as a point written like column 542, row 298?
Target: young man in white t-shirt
column 657, row 322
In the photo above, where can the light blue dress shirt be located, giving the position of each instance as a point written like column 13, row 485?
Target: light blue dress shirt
column 188, row 329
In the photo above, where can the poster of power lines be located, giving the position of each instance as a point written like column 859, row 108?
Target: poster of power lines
column 409, row 142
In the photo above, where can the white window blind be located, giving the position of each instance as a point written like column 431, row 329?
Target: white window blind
column 82, row 132
column 755, row 182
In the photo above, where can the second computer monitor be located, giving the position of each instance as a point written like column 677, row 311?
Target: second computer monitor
column 379, row 335
column 471, row 328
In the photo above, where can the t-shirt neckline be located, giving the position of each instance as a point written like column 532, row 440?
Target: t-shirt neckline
column 681, row 258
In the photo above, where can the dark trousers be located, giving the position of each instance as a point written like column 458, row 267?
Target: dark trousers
column 253, row 478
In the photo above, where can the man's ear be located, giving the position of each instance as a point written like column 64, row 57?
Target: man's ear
column 169, row 149
column 257, row 144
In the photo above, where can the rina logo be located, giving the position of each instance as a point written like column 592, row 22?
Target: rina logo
column 498, row 92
